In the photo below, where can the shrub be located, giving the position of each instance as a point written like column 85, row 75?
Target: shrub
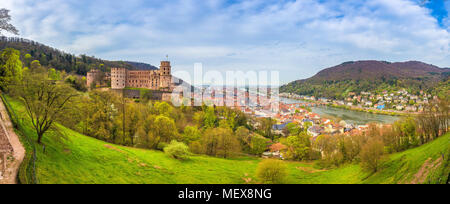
column 177, row 150
column 272, row 171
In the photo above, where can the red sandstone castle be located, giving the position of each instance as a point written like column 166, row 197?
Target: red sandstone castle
column 149, row 79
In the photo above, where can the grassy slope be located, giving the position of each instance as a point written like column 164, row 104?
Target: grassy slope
column 82, row 159
column 402, row 167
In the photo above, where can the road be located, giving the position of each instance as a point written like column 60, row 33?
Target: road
column 10, row 176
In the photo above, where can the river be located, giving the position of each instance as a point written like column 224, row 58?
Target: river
column 349, row 116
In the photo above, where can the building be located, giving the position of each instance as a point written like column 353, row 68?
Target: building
column 149, row 79
column 93, row 76
column 96, row 78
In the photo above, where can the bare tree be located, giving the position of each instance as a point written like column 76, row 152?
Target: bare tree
column 46, row 101
column 433, row 122
column 5, row 18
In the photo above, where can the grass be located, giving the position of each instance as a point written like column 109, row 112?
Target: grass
column 403, row 167
column 82, row 159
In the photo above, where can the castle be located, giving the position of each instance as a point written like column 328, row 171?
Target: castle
column 149, row 79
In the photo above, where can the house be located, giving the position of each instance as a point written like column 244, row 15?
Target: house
column 278, row 129
column 381, row 107
column 276, row 151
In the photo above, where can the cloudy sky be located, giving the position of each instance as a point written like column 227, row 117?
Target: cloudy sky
column 298, row 38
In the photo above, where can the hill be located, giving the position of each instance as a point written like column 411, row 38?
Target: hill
column 82, row 159
column 142, row 66
column 60, row 60
column 373, row 76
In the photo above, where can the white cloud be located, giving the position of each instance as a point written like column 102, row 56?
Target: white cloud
column 296, row 37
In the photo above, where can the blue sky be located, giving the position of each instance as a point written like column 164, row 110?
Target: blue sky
column 298, row 38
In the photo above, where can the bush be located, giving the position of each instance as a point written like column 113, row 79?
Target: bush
column 272, row 171
column 177, row 150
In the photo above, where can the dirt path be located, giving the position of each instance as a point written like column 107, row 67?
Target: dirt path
column 427, row 167
column 10, row 176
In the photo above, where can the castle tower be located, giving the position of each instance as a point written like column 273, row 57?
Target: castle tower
column 93, row 77
column 118, row 78
column 165, row 74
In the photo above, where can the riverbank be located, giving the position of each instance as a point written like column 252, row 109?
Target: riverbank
column 350, row 116
column 366, row 110
column 373, row 111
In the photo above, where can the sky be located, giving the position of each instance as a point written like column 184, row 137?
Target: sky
column 297, row 38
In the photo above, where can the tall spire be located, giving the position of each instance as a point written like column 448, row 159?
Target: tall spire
column 167, row 56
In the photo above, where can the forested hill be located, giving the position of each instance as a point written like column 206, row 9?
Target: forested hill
column 142, row 66
column 51, row 57
column 337, row 81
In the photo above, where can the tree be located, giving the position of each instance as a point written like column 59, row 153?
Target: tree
column 210, row 118
column 228, row 144
column 299, row 147
column 267, row 126
column 243, row 134
column 258, row 144
column 53, row 74
column 35, row 65
column 11, row 68
column 97, row 115
column 132, row 118
column 28, row 60
column 5, row 18
column 372, row 154
column 220, row 142
column 191, row 134
column 199, row 119
column 45, row 101
column 330, row 154
column 164, row 130
column 272, row 171
column 292, row 129
column 164, row 108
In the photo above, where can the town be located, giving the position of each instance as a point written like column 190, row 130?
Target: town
column 389, row 101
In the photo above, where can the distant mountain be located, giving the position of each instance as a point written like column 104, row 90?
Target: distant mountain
column 338, row 81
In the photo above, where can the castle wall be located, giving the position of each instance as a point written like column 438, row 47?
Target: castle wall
column 149, row 79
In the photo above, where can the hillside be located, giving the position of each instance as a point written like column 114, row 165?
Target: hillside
column 60, row 60
column 142, row 66
column 82, row 159
column 337, row 81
